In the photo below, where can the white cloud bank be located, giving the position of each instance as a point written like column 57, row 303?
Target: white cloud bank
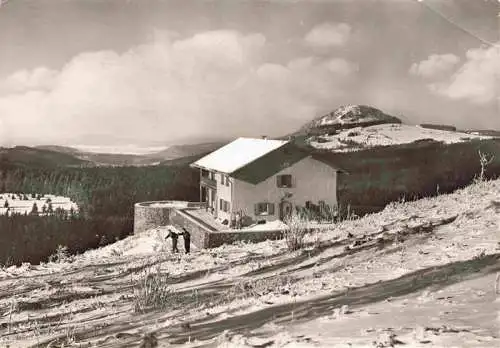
column 435, row 65
column 212, row 83
column 329, row 35
column 477, row 80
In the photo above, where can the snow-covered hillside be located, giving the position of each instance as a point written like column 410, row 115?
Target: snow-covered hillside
column 384, row 135
column 422, row 273
column 349, row 115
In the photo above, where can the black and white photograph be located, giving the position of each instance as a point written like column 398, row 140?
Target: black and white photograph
column 250, row 173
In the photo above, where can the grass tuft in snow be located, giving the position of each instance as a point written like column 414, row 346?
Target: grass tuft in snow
column 297, row 228
column 277, row 285
column 153, row 292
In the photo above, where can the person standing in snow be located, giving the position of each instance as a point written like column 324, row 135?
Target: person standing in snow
column 174, row 237
column 238, row 220
column 187, row 240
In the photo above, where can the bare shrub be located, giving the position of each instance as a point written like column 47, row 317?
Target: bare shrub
column 149, row 340
column 497, row 284
column 294, row 233
column 60, row 255
column 153, row 292
column 484, row 161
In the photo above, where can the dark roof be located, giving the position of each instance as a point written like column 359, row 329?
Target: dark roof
column 271, row 163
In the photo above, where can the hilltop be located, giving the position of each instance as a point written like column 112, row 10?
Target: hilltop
column 421, row 273
column 345, row 117
column 361, row 127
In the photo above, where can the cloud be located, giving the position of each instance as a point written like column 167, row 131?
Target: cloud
column 477, row 79
column 328, row 35
column 24, row 80
column 215, row 83
column 435, row 65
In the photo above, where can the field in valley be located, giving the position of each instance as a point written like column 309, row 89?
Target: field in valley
column 420, row 273
column 23, row 204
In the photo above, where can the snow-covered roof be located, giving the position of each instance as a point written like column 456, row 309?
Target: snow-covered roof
column 238, row 154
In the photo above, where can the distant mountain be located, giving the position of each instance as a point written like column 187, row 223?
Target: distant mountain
column 488, row 132
column 101, row 159
column 183, row 161
column 117, row 159
column 186, row 150
column 51, row 154
column 58, row 148
column 30, row 156
column 345, row 117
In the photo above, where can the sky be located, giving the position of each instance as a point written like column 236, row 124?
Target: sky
column 156, row 72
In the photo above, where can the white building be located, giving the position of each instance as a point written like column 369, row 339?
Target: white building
column 264, row 179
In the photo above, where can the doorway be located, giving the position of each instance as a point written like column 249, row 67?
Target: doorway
column 285, row 209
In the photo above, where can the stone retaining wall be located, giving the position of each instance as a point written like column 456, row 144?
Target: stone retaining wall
column 149, row 215
column 198, row 231
column 154, row 214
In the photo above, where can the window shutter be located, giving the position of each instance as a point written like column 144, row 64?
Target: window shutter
column 271, row 208
column 256, row 209
column 278, row 180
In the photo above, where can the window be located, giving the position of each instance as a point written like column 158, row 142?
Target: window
column 222, row 179
column 284, row 180
column 224, row 205
column 264, row 209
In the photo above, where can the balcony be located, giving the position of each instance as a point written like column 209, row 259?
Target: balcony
column 205, row 181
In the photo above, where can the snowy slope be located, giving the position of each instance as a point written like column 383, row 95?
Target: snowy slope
column 423, row 271
column 386, row 135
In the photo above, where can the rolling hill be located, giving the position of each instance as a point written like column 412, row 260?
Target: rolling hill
column 30, row 156
column 186, row 150
column 173, row 155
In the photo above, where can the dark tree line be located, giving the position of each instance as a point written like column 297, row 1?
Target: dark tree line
column 105, row 197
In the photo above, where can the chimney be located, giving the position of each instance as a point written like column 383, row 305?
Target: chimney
column 264, row 137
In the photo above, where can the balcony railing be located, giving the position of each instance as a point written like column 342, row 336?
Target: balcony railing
column 208, row 182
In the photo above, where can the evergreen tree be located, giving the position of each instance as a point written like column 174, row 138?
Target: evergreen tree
column 50, row 209
column 6, row 204
column 34, row 210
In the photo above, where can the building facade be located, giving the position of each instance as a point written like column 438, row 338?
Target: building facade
column 263, row 179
